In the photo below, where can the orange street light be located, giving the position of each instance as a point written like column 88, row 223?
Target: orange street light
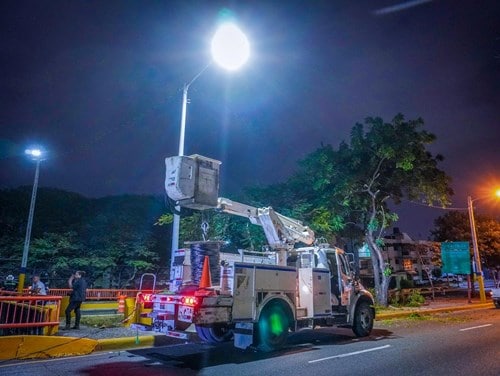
column 477, row 258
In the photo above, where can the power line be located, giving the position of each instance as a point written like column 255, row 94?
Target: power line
column 433, row 206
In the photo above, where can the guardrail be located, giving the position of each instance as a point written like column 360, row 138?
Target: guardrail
column 29, row 314
column 404, row 294
column 98, row 294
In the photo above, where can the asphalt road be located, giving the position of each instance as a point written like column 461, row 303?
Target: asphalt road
column 460, row 343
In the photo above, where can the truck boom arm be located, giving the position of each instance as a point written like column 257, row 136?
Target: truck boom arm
column 192, row 182
column 281, row 232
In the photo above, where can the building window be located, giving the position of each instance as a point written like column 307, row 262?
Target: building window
column 407, row 264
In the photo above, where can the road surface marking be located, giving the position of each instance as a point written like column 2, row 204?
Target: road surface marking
column 350, row 354
column 475, row 327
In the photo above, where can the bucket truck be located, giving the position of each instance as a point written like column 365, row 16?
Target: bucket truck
column 259, row 304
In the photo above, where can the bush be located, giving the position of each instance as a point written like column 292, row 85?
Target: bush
column 415, row 299
column 406, row 284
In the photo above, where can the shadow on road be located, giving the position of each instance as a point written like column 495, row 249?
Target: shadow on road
column 196, row 356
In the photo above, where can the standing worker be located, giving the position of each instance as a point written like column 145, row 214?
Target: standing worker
column 79, row 286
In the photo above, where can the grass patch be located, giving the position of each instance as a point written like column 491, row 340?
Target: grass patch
column 108, row 321
column 387, row 322
column 451, row 319
column 418, row 317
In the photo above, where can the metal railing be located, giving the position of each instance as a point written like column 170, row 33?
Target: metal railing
column 29, row 314
column 96, row 294
column 92, row 294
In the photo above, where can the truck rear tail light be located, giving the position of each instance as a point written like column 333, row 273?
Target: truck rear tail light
column 189, row 300
column 167, row 299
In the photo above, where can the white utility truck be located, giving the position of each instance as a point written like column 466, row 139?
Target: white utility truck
column 258, row 303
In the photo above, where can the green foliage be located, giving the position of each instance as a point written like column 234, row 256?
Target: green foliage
column 352, row 184
column 402, row 299
column 113, row 236
column 415, row 299
column 417, row 316
column 387, row 271
column 165, row 219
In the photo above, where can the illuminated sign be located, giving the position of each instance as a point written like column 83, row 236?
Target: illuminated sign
column 455, row 257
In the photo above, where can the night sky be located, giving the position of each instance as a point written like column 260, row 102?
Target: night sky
column 99, row 85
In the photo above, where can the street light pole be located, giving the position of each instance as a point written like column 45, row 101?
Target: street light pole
column 477, row 258
column 230, row 49
column 177, row 218
column 22, row 272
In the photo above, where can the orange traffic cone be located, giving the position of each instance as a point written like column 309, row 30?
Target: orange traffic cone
column 206, row 280
column 121, row 303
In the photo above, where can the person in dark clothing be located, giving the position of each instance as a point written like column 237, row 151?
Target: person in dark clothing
column 79, row 286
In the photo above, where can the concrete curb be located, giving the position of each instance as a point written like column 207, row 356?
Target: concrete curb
column 124, row 343
column 395, row 315
column 43, row 347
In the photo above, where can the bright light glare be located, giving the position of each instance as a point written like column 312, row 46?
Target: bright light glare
column 230, row 47
column 35, row 153
column 498, row 192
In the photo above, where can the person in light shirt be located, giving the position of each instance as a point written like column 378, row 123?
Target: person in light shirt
column 37, row 287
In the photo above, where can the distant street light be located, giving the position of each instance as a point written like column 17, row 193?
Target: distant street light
column 231, row 50
column 477, row 258
column 36, row 155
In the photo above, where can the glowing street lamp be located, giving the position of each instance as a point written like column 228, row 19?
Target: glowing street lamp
column 37, row 156
column 230, row 50
column 230, row 47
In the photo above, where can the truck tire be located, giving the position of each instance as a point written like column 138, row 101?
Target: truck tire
column 214, row 334
column 497, row 303
column 273, row 327
column 363, row 319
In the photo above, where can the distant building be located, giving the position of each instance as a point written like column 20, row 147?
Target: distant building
column 402, row 254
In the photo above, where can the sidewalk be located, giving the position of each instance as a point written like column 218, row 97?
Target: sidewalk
column 440, row 304
column 89, row 339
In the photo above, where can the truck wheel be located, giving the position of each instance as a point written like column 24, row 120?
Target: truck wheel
column 272, row 331
column 214, row 334
column 497, row 303
column 363, row 320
